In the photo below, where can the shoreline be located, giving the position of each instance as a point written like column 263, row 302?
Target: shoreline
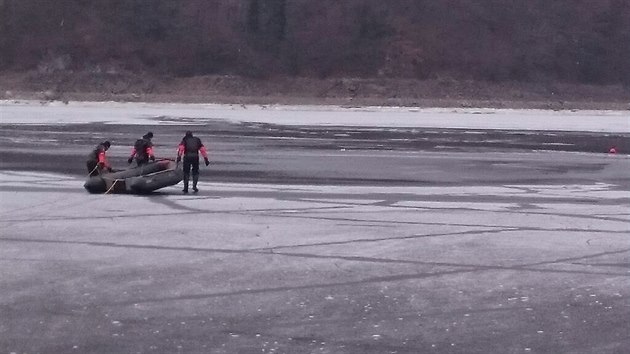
column 352, row 92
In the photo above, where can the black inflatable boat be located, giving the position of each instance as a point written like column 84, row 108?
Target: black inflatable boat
column 139, row 180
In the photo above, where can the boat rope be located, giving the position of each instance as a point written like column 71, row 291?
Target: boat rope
column 112, row 187
column 94, row 169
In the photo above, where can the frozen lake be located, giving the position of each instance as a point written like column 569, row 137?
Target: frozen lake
column 306, row 238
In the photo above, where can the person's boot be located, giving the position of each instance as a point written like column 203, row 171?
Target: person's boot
column 185, row 190
column 195, row 180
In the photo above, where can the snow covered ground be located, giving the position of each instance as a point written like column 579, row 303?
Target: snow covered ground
column 301, row 268
column 33, row 112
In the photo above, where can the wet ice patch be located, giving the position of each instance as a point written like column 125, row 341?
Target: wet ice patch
column 558, row 144
column 481, row 206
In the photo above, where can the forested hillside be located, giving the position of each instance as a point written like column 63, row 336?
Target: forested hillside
column 574, row 41
column 571, row 41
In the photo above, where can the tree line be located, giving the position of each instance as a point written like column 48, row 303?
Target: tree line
column 582, row 41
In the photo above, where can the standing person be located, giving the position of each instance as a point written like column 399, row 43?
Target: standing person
column 190, row 147
column 97, row 161
column 142, row 150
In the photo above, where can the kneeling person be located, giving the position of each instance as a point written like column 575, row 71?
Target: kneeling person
column 97, row 161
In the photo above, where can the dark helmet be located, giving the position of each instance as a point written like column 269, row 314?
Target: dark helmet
column 188, row 134
column 148, row 135
column 106, row 144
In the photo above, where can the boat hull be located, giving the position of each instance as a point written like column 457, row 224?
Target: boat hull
column 139, row 180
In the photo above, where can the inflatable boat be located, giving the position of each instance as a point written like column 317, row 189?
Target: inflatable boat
column 139, row 180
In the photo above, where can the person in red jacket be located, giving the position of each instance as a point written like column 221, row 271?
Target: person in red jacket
column 97, row 161
column 142, row 150
column 190, row 147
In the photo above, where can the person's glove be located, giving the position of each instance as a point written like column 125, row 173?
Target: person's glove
column 206, row 161
column 152, row 158
column 130, row 160
column 179, row 159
